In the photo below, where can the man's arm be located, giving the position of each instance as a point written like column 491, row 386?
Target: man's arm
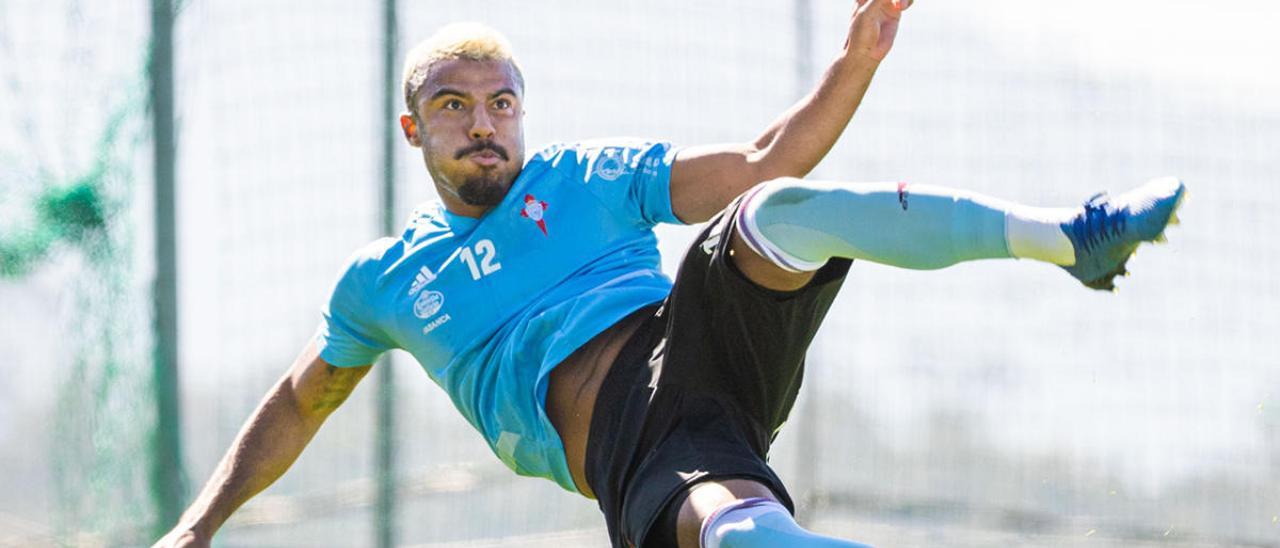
column 705, row 179
column 271, row 439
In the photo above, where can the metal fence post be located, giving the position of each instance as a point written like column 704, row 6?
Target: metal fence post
column 385, row 508
column 166, row 470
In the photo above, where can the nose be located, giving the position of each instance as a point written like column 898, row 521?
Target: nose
column 481, row 125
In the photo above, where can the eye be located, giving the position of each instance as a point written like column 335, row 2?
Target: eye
column 453, row 104
column 502, row 103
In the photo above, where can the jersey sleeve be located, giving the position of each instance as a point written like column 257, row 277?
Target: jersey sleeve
column 348, row 335
column 632, row 176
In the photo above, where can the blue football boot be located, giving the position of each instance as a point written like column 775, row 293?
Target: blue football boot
column 1107, row 232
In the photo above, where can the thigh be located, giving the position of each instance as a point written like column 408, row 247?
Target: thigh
column 648, row 446
column 743, row 343
column 688, row 440
column 681, row 521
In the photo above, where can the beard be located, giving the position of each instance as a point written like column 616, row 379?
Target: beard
column 484, row 190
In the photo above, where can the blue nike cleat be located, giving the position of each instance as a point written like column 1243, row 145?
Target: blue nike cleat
column 1107, row 232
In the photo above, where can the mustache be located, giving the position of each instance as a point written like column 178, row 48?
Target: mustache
column 481, row 146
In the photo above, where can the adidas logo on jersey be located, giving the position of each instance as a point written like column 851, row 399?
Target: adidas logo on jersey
column 424, row 277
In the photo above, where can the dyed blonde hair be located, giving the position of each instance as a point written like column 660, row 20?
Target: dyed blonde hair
column 472, row 41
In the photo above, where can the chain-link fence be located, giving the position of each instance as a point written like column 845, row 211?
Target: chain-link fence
column 990, row 403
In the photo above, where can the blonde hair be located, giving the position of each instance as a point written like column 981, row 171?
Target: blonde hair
column 471, row 41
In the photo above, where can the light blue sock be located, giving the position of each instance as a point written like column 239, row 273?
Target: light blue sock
column 762, row 523
column 799, row 224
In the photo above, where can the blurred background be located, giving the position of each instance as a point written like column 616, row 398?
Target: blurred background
column 993, row 403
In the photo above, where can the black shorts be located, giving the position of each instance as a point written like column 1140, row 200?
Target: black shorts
column 701, row 388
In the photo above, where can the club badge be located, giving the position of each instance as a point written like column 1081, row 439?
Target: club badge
column 534, row 210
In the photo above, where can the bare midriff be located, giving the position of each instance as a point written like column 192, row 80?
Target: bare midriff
column 571, row 395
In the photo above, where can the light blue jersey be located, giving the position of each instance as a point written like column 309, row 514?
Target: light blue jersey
column 490, row 306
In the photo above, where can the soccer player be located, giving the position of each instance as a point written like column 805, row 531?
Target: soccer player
column 531, row 293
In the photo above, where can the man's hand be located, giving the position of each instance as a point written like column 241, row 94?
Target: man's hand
column 705, row 179
column 873, row 27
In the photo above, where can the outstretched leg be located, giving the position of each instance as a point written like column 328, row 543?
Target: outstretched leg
column 794, row 226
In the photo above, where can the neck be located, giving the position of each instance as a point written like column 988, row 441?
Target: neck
column 456, row 206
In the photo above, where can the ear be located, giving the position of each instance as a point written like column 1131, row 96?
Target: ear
column 410, row 128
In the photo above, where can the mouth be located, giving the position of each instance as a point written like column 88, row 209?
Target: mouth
column 486, row 158
column 483, row 153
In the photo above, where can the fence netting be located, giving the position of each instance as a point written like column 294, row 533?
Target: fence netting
column 992, row 403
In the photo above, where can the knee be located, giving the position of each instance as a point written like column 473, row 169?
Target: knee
column 780, row 193
column 705, row 498
column 781, row 182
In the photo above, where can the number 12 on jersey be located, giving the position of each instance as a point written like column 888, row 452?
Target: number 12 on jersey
column 487, row 264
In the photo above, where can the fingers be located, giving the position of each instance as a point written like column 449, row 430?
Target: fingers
column 896, row 4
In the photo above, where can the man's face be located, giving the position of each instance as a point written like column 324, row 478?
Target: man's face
column 469, row 126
